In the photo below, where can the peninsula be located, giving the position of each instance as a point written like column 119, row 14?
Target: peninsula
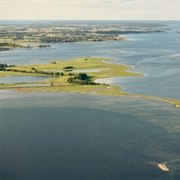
column 7, row 46
column 63, row 74
column 76, row 75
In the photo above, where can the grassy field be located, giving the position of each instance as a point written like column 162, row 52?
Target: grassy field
column 60, row 83
column 11, row 73
column 2, row 76
column 109, row 70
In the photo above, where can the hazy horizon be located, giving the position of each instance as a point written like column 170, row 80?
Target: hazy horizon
column 90, row 10
column 89, row 20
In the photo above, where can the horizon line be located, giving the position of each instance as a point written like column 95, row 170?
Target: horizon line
column 90, row 20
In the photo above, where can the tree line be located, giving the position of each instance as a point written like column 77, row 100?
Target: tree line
column 33, row 71
column 4, row 66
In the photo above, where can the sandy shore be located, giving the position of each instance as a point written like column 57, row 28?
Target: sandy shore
column 163, row 167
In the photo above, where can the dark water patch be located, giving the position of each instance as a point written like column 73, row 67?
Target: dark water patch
column 82, row 143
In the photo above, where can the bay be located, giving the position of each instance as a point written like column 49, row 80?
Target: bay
column 80, row 136
column 75, row 136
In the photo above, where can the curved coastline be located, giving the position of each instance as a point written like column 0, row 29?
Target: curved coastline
column 114, row 70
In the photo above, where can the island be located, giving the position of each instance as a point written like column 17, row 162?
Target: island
column 76, row 75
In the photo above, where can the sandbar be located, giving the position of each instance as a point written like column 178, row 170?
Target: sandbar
column 163, row 167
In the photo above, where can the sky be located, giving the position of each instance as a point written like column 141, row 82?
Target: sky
column 90, row 9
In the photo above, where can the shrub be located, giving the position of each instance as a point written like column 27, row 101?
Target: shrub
column 68, row 67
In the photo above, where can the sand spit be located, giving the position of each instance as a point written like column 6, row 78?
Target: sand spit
column 163, row 167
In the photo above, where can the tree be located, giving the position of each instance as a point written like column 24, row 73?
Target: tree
column 33, row 68
column 82, row 76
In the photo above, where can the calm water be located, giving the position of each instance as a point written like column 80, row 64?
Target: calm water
column 156, row 54
column 66, row 136
column 80, row 70
column 158, row 57
column 21, row 79
column 72, row 136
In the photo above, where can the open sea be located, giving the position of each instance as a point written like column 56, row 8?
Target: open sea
column 64, row 136
column 56, row 136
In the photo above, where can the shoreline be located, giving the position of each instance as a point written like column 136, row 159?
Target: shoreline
column 20, row 89
column 60, row 83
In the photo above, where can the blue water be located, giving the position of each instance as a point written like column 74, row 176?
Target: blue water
column 21, row 79
column 157, row 55
column 68, row 136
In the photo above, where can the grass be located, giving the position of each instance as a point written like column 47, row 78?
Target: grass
column 110, row 70
column 61, row 84
column 11, row 73
column 2, row 76
column 26, row 40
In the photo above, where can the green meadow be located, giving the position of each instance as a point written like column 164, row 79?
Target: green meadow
column 70, row 68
